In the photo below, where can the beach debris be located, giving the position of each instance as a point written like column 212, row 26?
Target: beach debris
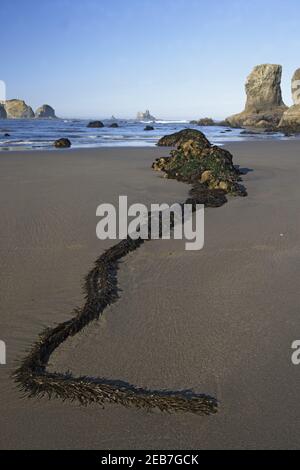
column 197, row 161
column 149, row 128
column 45, row 112
column 100, row 291
column 62, row 143
column 178, row 138
column 264, row 98
column 95, row 124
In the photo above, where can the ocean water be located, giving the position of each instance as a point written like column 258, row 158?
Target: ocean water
column 40, row 134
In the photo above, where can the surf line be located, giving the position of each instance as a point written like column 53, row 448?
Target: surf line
column 100, row 291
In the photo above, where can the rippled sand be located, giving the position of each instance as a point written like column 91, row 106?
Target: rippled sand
column 220, row 321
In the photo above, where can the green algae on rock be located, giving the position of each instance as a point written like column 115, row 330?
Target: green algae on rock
column 199, row 162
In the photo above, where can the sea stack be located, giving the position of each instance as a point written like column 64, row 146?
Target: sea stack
column 3, row 114
column 291, row 118
column 264, row 105
column 45, row 112
column 18, row 109
column 146, row 116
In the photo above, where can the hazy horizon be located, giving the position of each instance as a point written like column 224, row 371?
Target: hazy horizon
column 181, row 61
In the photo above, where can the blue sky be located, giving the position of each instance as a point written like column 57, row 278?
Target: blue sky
column 179, row 58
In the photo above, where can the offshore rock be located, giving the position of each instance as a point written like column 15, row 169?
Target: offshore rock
column 264, row 98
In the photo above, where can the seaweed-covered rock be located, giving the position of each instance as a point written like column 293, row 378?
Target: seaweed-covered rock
column 95, row 124
column 179, row 138
column 62, row 143
column 210, row 166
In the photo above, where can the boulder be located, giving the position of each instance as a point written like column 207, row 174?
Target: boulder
column 146, row 116
column 149, row 128
column 208, row 165
column 264, row 98
column 18, row 109
column 3, row 114
column 45, row 112
column 290, row 122
column 174, row 140
column 62, row 143
column 114, row 125
column 95, row 124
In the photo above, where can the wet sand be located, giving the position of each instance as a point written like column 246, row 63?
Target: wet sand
column 220, row 321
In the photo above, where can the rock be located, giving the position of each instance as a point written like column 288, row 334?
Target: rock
column 224, row 186
column 62, row 143
column 290, row 122
column 146, row 116
column 206, row 176
column 183, row 136
column 249, row 132
column 223, row 124
column 160, row 164
column 3, row 114
column 18, row 109
column 6, row 135
column 45, row 112
column 296, row 87
column 210, row 166
column 114, row 125
column 264, row 98
column 149, row 128
column 95, row 124
column 204, row 122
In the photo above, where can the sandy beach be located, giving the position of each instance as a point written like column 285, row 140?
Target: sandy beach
column 220, row 321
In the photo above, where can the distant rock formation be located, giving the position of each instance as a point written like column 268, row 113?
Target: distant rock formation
column 264, row 106
column 3, row 114
column 149, row 128
column 146, row 116
column 204, row 122
column 18, row 109
column 45, row 112
column 95, row 124
column 62, row 143
column 290, row 121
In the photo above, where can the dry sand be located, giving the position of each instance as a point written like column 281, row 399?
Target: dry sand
column 220, row 321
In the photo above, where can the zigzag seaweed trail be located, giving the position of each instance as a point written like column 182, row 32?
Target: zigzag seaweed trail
column 101, row 290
